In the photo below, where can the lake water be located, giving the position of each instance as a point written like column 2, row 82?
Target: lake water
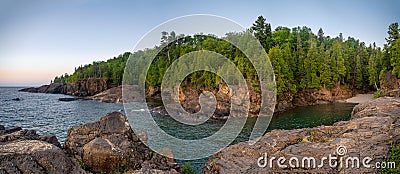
column 47, row 115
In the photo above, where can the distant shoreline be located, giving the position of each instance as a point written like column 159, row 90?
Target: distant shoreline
column 19, row 86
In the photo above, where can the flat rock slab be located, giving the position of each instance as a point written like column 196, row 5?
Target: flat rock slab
column 374, row 125
column 360, row 98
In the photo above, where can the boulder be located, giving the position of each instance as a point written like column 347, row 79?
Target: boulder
column 33, row 156
column 24, row 151
column 374, row 125
column 110, row 145
column 4, row 130
column 27, row 135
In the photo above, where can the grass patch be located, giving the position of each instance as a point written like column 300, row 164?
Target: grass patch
column 394, row 157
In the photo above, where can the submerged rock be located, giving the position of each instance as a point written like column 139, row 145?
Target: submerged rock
column 16, row 99
column 374, row 125
column 110, row 145
column 69, row 99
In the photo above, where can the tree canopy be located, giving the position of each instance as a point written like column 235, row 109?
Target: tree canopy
column 301, row 59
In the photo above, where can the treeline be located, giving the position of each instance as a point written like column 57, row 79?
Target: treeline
column 301, row 59
column 111, row 70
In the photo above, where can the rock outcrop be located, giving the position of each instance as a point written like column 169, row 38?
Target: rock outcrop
column 24, row 151
column 189, row 99
column 390, row 85
column 80, row 88
column 369, row 133
column 308, row 97
column 110, row 145
column 112, row 95
column 18, row 133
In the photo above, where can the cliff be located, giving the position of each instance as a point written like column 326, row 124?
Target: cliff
column 369, row 133
column 81, row 88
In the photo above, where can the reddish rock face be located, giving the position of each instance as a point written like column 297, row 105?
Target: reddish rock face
column 84, row 88
column 390, row 85
column 102, row 155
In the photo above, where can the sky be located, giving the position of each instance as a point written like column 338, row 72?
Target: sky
column 44, row 38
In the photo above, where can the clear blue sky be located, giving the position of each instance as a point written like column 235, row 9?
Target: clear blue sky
column 44, row 38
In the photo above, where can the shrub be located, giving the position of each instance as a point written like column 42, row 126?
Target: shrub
column 83, row 165
column 377, row 94
column 187, row 169
column 394, row 157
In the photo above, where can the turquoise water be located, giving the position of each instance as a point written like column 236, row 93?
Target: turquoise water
column 303, row 117
column 45, row 114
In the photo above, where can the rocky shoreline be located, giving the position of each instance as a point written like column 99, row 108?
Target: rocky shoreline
column 107, row 145
column 110, row 145
column 98, row 90
column 373, row 127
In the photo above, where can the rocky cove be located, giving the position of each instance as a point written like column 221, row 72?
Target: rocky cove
column 110, row 145
column 300, row 142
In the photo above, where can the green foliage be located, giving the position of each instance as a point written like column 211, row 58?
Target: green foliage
column 187, row 169
column 377, row 94
column 112, row 70
column 394, row 157
column 263, row 32
column 300, row 60
column 83, row 165
column 393, row 32
column 395, row 58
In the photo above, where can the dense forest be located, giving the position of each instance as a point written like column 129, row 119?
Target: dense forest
column 301, row 59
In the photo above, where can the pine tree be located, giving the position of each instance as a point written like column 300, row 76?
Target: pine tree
column 395, row 58
column 311, row 65
column 325, row 68
column 373, row 66
column 393, row 33
column 280, row 69
column 263, row 32
column 338, row 68
column 320, row 36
